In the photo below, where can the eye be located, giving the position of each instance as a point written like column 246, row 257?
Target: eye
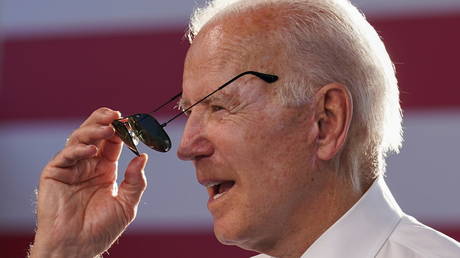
column 216, row 108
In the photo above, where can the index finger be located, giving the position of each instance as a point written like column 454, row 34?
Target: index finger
column 102, row 116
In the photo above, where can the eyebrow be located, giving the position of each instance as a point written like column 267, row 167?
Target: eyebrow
column 222, row 95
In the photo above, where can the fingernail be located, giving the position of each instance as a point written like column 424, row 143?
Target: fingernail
column 145, row 158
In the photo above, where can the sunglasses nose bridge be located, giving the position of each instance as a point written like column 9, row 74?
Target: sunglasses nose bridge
column 122, row 129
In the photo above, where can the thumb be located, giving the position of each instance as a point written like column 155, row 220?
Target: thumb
column 134, row 183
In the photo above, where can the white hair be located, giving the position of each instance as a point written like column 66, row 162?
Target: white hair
column 331, row 41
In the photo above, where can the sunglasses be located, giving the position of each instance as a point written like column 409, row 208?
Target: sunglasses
column 145, row 128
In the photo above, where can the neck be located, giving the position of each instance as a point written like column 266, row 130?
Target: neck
column 315, row 216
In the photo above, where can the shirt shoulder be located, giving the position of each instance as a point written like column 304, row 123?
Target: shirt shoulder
column 411, row 238
column 261, row 256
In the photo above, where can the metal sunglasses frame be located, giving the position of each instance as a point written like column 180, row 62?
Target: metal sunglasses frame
column 147, row 129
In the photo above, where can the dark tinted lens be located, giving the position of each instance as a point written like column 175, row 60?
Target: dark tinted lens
column 124, row 135
column 150, row 132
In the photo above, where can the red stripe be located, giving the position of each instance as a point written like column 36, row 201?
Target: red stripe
column 180, row 244
column 426, row 54
column 69, row 76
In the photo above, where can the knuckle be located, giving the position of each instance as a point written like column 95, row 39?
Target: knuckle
column 73, row 137
column 106, row 112
column 105, row 115
column 103, row 110
column 99, row 114
column 57, row 155
column 74, row 133
column 64, row 153
column 58, row 159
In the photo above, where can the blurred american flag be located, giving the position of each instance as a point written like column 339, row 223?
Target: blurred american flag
column 60, row 60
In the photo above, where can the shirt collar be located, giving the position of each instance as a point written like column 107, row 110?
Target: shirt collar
column 363, row 229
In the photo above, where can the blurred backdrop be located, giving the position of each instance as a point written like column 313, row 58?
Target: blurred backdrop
column 60, row 60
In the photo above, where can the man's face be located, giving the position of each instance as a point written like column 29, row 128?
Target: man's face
column 255, row 156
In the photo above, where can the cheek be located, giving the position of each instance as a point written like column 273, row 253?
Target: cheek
column 284, row 158
column 275, row 143
column 265, row 150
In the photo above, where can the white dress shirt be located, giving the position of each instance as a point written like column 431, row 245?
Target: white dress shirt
column 377, row 227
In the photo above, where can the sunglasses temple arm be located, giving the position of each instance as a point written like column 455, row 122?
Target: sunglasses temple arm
column 205, row 97
column 167, row 102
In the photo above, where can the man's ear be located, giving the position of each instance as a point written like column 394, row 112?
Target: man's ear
column 334, row 110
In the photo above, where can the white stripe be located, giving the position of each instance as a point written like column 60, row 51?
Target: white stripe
column 29, row 17
column 173, row 198
column 23, row 17
column 424, row 177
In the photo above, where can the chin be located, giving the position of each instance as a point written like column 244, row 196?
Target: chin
column 235, row 233
column 229, row 232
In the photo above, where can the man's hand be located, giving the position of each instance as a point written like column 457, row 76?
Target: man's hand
column 80, row 213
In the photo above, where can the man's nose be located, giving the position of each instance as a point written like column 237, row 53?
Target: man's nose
column 195, row 142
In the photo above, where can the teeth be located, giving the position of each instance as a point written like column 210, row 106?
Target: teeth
column 212, row 184
column 217, row 196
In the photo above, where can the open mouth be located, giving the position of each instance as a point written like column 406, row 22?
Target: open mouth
column 219, row 189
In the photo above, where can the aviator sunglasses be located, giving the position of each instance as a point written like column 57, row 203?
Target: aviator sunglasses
column 147, row 129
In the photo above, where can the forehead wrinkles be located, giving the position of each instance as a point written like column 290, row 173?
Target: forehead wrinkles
column 248, row 39
column 232, row 44
column 213, row 60
column 215, row 54
column 255, row 32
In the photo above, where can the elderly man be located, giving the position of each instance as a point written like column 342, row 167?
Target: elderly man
column 292, row 153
